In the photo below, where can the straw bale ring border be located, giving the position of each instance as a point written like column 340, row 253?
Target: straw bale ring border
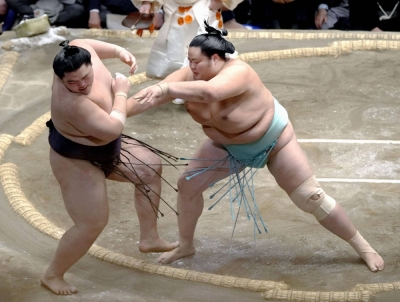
column 270, row 289
column 259, row 34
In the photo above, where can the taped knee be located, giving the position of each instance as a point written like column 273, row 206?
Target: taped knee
column 310, row 198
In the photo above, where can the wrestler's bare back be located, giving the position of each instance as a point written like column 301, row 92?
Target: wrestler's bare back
column 65, row 104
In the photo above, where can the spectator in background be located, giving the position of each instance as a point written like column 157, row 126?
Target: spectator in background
column 332, row 14
column 375, row 16
column 229, row 18
column 242, row 12
column 7, row 16
column 98, row 10
column 282, row 14
column 69, row 13
column 3, row 8
column 182, row 22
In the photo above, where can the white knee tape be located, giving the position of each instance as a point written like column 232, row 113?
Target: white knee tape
column 327, row 206
column 310, row 198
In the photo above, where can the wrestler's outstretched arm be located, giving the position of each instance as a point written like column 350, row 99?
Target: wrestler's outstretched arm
column 106, row 50
column 229, row 82
column 135, row 104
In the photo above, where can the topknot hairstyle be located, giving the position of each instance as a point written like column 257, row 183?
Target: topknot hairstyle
column 213, row 42
column 70, row 58
column 213, row 31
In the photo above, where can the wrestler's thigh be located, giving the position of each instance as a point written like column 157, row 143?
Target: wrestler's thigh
column 207, row 154
column 139, row 164
column 83, row 188
column 288, row 163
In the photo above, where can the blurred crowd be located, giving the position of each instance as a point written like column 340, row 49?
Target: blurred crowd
column 313, row 14
column 249, row 14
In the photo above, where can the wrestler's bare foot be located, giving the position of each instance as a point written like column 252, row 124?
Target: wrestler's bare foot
column 176, row 254
column 374, row 261
column 58, row 285
column 156, row 246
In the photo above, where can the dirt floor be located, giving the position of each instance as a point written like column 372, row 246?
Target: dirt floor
column 345, row 112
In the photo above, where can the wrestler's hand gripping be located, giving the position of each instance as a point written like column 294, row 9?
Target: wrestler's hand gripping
column 152, row 93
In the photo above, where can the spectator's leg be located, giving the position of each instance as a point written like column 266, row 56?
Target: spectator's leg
column 243, row 12
column 342, row 24
column 229, row 20
column 363, row 14
column 159, row 18
column 73, row 16
column 274, row 13
column 263, row 14
column 309, row 14
column 120, row 7
column 9, row 20
column 340, row 17
column 21, row 7
column 103, row 16
column 300, row 16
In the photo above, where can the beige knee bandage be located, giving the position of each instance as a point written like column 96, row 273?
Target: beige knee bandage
column 310, row 198
column 361, row 245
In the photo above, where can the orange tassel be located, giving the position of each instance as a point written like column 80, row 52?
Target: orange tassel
column 218, row 15
column 220, row 23
column 180, row 21
column 183, row 9
column 188, row 19
column 139, row 32
column 151, row 28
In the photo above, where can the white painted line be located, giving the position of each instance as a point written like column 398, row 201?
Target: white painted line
column 354, row 180
column 349, row 141
column 352, row 141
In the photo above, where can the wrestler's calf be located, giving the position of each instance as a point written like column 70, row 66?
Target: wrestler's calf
column 311, row 198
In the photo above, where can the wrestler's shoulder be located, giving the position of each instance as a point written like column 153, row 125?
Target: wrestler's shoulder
column 78, row 42
column 237, row 63
column 237, row 67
